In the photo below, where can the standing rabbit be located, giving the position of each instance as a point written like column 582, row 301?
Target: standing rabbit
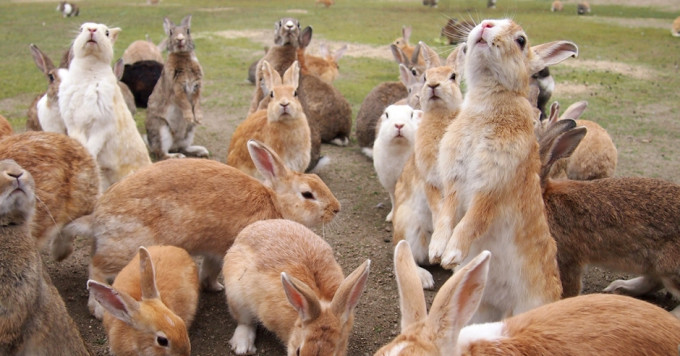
column 44, row 113
column 281, row 274
column 215, row 203
column 151, row 304
column 596, row 324
column 282, row 125
column 174, row 106
column 34, row 319
column 488, row 161
column 93, row 109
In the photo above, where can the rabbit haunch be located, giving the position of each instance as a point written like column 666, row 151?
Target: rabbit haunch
column 93, row 108
column 489, row 164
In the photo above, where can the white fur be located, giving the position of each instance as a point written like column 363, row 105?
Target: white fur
column 479, row 332
column 50, row 117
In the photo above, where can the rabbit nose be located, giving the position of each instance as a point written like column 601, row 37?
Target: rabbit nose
column 15, row 174
column 399, row 126
column 180, row 37
column 290, row 24
column 92, row 30
column 433, row 85
column 487, row 24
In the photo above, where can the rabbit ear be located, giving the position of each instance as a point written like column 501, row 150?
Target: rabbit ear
column 186, row 21
column 416, row 54
column 323, row 50
column 406, row 33
column 305, row 37
column 339, row 53
column 119, row 304
column 405, row 75
column 457, row 301
column 411, row 295
column 399, row 55
column 43, row 62
column 562, row 146
column 301, row 297
column 431, row 57
column 119, row 68
column 167, row 25
column 113, row 34
column 349, row 291
column 551, row 53
column 575, row 110
column 456, row 58
column 554, row 112
column 270, row 76
column 148, row 275
column 267, row 162
column 292, row 75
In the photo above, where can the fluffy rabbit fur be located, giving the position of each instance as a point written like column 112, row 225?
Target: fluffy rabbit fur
column 282, row 126
column 142, row 50
column 675, row 28
column 151, row 304
column 34, row 320
column 488, row 161
column 44, row 113
column 623, row 224
column 144, row 210
column 174, row 106
column 325, row 66
column 66, row 179
column 596, row 324
column 394, row 145
column 5, row 127
column 271, row 252
column 93, row 109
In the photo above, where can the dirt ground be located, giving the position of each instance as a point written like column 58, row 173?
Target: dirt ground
column 358, row 232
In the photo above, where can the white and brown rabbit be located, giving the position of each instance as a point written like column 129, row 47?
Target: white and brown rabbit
column 489, row 163
column 282, row 126
column 93, row 109
column 68, row 9
column 597, row 324
column 623, row 224
column 43, row 114
column 66, row 179
column 393, row 146
column 151, row 304
column 34, row 319
column 215, row 203
column 174, row 110
column 283, row 275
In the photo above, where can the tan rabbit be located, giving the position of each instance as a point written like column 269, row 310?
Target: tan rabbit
column 556, row 6
column 675, row 27
column 65, row 174
column 142, row 50
column 43, row 114
column 215, row 202
column 596, row 324
column 489, row 163
column 34, row 319
column 282, row 126
column 174, row 109
column 410, row 51
column 325, row 66
column 151, row 304
column 5, row 127
column 622, row 224
column 269, row 253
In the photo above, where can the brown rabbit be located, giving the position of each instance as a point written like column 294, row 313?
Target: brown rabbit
column 325, row 66
column 410, row 51
column 326, row 3
column 675, row 27
column 174, row 110
column 151, row 304
column 215, row 203
column 34, row 319
column 596, row 324
column 5, row 127
column 623, row 224
column 282, row 126
column 456, row 31
column 43, row 114
column 66, row 178
column 488, row 161
column 583, row 8
column 270, row 252
column 556, row 6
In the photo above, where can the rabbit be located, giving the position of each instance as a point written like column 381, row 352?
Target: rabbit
column 583, row 8
column 490, row 4
column 409, row 51
column 141, row 77
column 325, row 3
column 34, row 319
column 282, row 126
column 93, row 109
column 142, row 50
column 118, row 69
column 43, row 114
column 556, row 6
column 488, row 162
column 675, row 27
column 65, row 175
column 431, row 3
column 68, row 9
column 596, row 324
column 174, row 110
column 325, row 66
column 215, row 203
column 394, row 145
column 626, row 224
column 151, row 304
column 322, row 299
column 5, row 127
column 456, row 31
column 380, row 97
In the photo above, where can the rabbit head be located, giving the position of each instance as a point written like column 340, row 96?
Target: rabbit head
column 398, row 124
column 441, row 89
column 17, row 194
column 287, row 32
column 179, row 36
column 95, row 40
column 44, row 63
column 413, row 83
column 283, row 103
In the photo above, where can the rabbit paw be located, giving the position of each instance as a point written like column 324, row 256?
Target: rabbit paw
column 452, row 258
column 174, row 155
column 633, row 287
column 426, row 278
column 437, row 246
column 197, row 151
column 95, row 308
column 243, row 341
column 389, row 216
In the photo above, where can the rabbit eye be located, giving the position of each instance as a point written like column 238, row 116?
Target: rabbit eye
column 51, row 77
column 453, row 76
column 107, row 33
column 188, row 31
column 297, row 352
column 308, row 195
column 271, row 94
column 170, row 31
column 413, row 70
column 162, row 341
column 295, row 94
column 521, row 41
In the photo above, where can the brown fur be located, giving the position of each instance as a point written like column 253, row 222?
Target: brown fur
column 456, row 31
column 66, row 178
column 403, row 44
column 32, row 121
column 252, row 275
column 556, row 6
column 5, row 127
column 326, row 3
column 34, row 319
column 583, row 8
column 142, row 50
column 675, row 27
column 325, row 66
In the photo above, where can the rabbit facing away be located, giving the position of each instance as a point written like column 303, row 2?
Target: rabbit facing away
column 624, row 224
column 44, row 113
column 93, row 109
column 141, row 77
column 488, row 162
column 596, row 324
column 142, row 50
column 394, row 145
column 144, row 209
column 173, row 110
column 556, row 6
column 325, row 66
column 282, row 126
column 283, row 275
column 66, row 179
column 151, row 304
column 34, row 320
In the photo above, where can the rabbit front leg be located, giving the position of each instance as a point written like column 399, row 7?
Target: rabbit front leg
column 196, row 102
column 182, row 101
column 443, row 227
column 634, row 287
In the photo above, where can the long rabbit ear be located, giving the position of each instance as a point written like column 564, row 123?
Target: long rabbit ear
column 167, row 25
column 411, row 295
column 148, row 274
column 575, row 110
column 405, row 75
column 456, row 59
column 43, row 62
column 399, row 55
column 305, row 37
column 119, row 68
column 113, row 34
column 551, row 53
column 431, row 57
column 339, row 53
column 301, row 297
column 267, row 162
column 292, row 75
column 349, row 291
column 406, row 33
column 186, row 21
column 554, row 112
column 562, row 146
column 119, row 304
column 457, row 301
column 270, row 76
